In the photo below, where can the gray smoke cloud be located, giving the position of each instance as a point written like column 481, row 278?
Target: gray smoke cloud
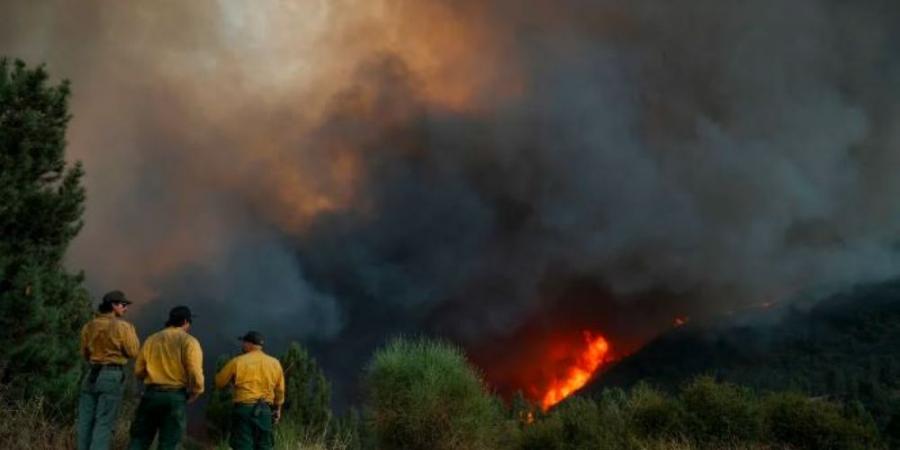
column 340, row 171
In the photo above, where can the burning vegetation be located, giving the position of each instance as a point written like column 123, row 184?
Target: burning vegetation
column 577, row 369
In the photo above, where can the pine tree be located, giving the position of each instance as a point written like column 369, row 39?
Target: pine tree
column 218, row 410
column 308, row 397
column 42, row 307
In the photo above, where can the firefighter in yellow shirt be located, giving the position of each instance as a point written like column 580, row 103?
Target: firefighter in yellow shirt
column 107, row 343
column 171, row 366
column 258, row 394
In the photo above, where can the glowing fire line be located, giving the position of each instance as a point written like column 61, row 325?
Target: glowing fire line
column 579, row 373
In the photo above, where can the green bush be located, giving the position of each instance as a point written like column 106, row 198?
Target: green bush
column 423, row 394
column 307, row 393
column 218, row 410
column 720, row 412
column 577, row 423
column 650, row 413
column 805, row 423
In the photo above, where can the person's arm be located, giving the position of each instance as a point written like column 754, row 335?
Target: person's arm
column 140, row 367
column 130, row 343
column 279, row 394
column 225, row 375
column 85, row 351
column 194, row 368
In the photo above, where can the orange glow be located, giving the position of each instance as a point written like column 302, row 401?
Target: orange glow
column 579, row 373
column 679, row 321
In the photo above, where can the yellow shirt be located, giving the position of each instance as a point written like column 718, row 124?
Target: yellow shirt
column 171, row 358
column 256, row 375
column 108, row 340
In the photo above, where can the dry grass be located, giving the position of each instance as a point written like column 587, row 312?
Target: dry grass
column 687, row 445
column 24, row 425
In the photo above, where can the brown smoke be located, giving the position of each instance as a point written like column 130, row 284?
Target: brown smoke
column 346, row 169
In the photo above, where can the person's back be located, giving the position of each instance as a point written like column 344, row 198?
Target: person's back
column 107, row 343
column 109, row 340
column 171, row 366
column 258, row 394
column 165, row 361
column 256, row 377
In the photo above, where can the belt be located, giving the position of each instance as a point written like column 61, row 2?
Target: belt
column 163, row 388
column 260, row 401
column 107, row 366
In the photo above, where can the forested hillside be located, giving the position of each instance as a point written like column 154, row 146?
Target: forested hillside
column 845, row 347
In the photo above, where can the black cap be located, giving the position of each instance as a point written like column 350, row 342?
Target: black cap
column 253, row 337
column 179, row 315
column 112, row 297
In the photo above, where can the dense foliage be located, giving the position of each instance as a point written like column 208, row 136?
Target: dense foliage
column 845, row 347
column 704, row 414
column 218, row 409
column 42, row 307
column 308, row 400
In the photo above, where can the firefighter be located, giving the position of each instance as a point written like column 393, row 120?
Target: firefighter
column 171, row 367
column 107, row 343
column 258, row 394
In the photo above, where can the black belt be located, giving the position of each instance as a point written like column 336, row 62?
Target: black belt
column 260, row 401
column 107, row 366
column 163, row 388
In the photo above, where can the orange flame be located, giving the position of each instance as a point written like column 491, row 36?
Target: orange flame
column 579, row 373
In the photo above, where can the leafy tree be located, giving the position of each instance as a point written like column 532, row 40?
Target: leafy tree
column 805, row 423
column 720, row 411
column 308, row 394
column 218, row 410
column 423, row 394
column 523, row 411
column 652, row 413
column 42, row 307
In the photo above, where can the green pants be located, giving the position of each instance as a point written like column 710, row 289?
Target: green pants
column 159, row 411
column 251, row 427
column 98, row 408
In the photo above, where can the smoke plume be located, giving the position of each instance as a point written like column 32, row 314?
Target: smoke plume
column 492, row 172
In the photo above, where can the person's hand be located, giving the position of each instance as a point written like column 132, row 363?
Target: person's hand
column 276, row 415
column 193, row 398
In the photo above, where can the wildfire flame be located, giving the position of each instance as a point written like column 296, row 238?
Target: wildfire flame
column 578, row 374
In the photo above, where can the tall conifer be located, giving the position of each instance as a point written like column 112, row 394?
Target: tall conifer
column 42, row 307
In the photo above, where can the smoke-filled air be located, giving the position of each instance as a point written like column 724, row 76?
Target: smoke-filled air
column 513, row 176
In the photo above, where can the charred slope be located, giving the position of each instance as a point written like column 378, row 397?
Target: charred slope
column 846, row 347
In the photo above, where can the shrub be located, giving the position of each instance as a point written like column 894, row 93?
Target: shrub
column 307, row 393
column 805, row 423
column 577, row 423
column 720, row 412
column 423, row 394
column 218, row 410
column 650, row 413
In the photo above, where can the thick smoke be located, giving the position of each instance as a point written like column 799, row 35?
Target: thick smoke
column 341, row 171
